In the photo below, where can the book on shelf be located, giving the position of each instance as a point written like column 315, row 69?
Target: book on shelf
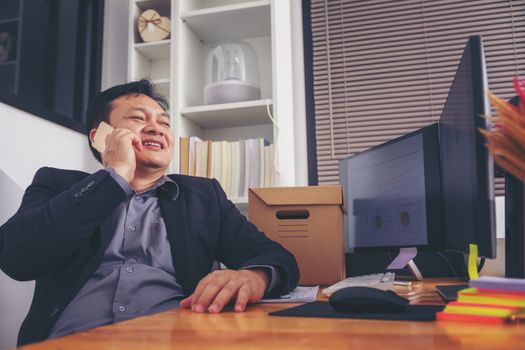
column 184, row 152
column 235, row 169
column 242, row 169
column 192, row 162
column 201, row 158
column 237, row 165
column 225, row 176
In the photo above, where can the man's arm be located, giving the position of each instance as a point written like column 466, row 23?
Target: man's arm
column 52, row 222
column 241, row 245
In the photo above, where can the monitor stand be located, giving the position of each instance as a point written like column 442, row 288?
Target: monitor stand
column 404, row 258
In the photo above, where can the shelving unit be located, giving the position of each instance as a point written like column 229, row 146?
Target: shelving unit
column 156, row 50
column 228, row 115
column 230, row 22
column 176, row 66
column 150, row 60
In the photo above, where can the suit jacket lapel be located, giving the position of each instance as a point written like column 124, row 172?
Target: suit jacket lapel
column 174, row 215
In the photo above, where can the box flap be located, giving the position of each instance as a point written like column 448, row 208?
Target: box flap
column 309, row 195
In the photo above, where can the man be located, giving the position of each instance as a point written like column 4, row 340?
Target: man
column 128, row 240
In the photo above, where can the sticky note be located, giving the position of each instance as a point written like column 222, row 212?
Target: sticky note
column 473, row 261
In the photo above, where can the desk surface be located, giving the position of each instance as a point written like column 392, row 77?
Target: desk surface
column 254, row 329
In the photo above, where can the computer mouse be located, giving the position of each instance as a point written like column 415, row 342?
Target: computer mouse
column 366, row 299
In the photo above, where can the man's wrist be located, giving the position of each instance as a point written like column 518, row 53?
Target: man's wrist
column 262, row 274
column 123, row 171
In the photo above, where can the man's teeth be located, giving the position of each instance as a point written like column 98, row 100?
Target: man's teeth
column 154, row 144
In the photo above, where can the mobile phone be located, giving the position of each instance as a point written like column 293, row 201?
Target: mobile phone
column 99, row 140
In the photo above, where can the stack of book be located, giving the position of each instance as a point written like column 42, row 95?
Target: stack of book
column 237, row 165
column 488, row 299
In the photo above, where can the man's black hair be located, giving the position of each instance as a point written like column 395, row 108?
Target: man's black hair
column 101, row 105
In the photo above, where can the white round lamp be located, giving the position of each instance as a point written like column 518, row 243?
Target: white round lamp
column 231, row 73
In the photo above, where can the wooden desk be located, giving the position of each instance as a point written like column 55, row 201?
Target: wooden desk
column 254, row 329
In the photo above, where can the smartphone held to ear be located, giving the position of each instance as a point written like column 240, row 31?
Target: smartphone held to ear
column 99, row 140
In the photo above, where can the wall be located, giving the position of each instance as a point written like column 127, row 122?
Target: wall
column 28, row 143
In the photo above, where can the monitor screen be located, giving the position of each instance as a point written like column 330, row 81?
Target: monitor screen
column 467, row 167
column 392, row 193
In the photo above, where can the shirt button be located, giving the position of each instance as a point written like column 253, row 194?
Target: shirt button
column 132, row 260
column 129, row 269
column 137, row 197
column 132, row 228
column 121, row 308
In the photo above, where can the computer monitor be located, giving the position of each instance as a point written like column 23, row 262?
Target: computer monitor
column 467, row 166
column 392, row 195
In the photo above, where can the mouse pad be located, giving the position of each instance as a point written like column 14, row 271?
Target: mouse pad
column 323, row 309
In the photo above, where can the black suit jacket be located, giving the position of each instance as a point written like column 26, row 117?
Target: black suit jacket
column 55, row 238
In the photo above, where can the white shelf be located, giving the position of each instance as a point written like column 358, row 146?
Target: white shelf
column 161, row 6
column 163, row 87
column 155, row 50
column 229, row 114
column 231, row 22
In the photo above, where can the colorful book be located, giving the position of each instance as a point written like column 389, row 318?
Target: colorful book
column 482, row 309
column 473, row 295
column 499, row 283
column 444, row 316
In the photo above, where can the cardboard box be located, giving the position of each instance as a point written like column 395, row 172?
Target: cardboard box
column 308, row 222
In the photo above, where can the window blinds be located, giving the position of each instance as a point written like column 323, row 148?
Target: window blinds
column 382, row 68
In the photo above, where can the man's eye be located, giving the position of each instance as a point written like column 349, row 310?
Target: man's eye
column 166, row 124
column 137, row 117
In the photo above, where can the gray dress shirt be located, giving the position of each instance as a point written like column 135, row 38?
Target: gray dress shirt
column 136, row 276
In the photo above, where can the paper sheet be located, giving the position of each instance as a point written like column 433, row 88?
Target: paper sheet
column 298, row 295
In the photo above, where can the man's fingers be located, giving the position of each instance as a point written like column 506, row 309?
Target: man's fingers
column 136, row 142
column 186, row 302
column 243, row 296
column 198, row 291
column 226, row 294
column 218, row 288
column 211, row 288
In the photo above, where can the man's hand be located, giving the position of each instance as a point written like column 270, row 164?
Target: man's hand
column 219, row 287
column 120, row 153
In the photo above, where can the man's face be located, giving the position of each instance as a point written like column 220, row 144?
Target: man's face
column 146, row 118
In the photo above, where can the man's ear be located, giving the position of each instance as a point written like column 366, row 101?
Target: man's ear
column 92, row 134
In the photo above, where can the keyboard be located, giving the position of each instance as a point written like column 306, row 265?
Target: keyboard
column 384, row 281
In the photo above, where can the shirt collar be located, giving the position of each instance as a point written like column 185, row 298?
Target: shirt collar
column 166, row 185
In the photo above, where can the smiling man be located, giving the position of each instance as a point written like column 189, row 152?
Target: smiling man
column 129, row 240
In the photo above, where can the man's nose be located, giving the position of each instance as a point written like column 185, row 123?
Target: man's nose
column 153, row 128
